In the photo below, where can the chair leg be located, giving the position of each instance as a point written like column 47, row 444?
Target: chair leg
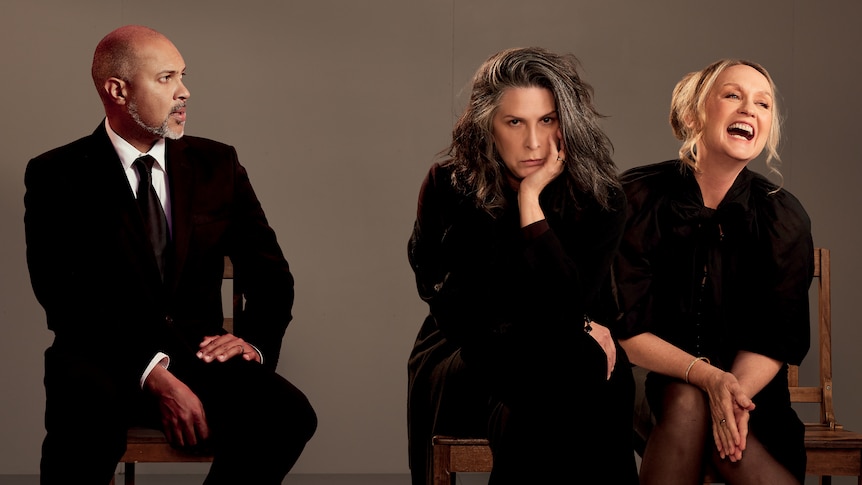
column 442, row 475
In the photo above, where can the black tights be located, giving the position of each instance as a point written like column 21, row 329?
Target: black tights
column 684, row 431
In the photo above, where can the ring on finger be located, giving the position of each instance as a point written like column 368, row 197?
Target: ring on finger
column 723, row 421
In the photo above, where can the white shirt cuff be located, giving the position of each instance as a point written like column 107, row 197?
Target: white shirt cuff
column 161, row 359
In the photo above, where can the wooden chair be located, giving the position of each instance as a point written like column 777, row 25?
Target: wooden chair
column 831, row 449
column 145, row 445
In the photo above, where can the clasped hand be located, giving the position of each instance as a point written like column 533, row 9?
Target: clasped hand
column 730, row 408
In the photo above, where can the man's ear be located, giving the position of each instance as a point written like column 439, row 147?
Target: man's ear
column 115, row 89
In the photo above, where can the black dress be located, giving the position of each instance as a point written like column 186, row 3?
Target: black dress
column 502, row 353
column 718, row 281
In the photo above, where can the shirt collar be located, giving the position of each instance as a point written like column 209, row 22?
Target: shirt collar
column 128, row 154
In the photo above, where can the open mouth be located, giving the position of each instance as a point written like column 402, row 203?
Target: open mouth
column 741, row 130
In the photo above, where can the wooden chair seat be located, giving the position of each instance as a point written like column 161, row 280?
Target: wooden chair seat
column 831, row 450
column 144, row 445
column 456, row 455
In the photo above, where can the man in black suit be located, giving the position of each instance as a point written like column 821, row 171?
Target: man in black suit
column 138, row 335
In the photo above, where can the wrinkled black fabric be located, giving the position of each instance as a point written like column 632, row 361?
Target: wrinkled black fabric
column 502, row 352
column 718, row 281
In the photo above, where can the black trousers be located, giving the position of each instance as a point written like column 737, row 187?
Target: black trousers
column 259, row 422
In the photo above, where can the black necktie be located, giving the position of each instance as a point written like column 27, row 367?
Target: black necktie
column 151, row 209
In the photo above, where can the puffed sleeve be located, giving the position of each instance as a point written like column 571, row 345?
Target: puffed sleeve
column 779, row 326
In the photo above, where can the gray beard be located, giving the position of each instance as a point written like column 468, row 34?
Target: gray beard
column 159, row 131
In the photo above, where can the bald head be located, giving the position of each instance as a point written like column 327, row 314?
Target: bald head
column 116, row 54
column 139, row 73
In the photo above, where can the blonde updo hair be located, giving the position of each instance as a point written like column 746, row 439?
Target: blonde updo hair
column 688, row 111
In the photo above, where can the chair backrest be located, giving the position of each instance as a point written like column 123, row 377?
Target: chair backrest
column 237, row 300
column 821, row 394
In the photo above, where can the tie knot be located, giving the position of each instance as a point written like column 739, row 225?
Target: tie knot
column 146, row 162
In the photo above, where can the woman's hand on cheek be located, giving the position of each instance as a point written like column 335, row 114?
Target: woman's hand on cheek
column 551, row 169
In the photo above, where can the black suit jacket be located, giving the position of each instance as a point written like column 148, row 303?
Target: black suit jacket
column 94, row 273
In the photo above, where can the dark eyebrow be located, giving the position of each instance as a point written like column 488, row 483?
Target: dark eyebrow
column 552, row 113
column 172, row 71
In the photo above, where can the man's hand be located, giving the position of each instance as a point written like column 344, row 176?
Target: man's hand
column 183, row 416
column 223, row 347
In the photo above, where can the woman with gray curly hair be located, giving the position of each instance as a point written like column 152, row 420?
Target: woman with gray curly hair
column 512, row 246
column 712, row 276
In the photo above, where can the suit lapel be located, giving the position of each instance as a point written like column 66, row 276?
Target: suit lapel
column 106, row 163
column 110, row 179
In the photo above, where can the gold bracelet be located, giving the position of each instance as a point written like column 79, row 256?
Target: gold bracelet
column 692, row 365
